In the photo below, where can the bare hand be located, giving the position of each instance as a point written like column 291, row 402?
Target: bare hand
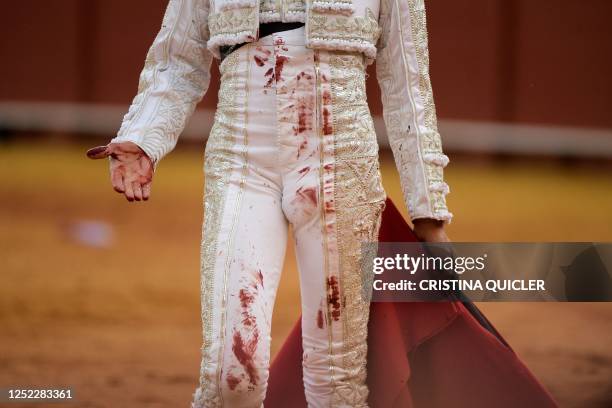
column 131, row 170
column 430, row 230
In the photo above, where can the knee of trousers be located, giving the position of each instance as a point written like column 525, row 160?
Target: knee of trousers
column 233, row 391
column 244, row 388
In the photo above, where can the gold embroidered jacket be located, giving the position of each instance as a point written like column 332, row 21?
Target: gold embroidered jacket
column 176, row 75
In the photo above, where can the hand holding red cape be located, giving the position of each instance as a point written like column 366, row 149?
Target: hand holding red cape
column 422, row 354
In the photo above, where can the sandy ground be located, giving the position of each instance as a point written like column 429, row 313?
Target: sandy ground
column 119, row 322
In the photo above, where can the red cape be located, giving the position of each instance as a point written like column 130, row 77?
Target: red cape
column 422, row 354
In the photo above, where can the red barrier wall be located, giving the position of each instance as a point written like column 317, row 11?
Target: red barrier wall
column 545, row 61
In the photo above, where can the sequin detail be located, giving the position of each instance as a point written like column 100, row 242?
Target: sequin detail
column 346, row 33
column 218, row 164
column 359, row 199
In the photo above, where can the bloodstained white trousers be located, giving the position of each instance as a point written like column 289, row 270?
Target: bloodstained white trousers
column 293, row 142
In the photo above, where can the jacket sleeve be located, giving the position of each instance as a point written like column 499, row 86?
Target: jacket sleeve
column 175, row 77
column 409, row 113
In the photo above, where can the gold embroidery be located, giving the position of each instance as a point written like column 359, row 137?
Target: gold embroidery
column 347, row 29
column 232, row 21
column 218, row 163
column 276, row 6
column 359, row 200
column 334, row 6
column 328, row 236
column 268, row 6
column 295, row 6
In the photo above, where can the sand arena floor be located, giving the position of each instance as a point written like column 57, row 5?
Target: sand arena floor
column 103, row 296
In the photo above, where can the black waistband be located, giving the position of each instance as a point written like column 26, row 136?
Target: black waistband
column 264, row 29
column 276, row 26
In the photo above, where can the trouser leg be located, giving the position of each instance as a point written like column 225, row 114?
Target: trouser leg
column 333, row 197
column 250, row 267
column 326, row 170
column 243, row 247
